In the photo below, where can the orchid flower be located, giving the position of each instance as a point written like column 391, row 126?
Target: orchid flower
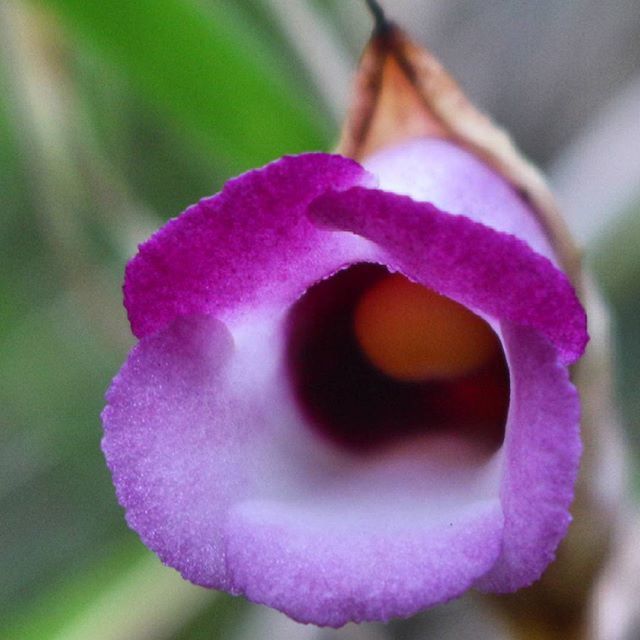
column 350, row 397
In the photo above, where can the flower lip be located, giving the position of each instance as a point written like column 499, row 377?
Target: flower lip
column 362, row 409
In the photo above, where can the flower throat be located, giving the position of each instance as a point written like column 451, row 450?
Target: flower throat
column 375, row 359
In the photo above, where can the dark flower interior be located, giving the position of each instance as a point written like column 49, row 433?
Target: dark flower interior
column 356, row 406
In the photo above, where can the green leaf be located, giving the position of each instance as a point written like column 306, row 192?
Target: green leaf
column 125, row 593
column 200, row 66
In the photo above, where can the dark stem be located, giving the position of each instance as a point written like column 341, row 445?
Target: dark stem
column 381, row 22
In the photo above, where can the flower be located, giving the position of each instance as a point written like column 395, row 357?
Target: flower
column 260, row 445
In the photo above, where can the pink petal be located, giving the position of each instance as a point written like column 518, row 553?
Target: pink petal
column 245, row 245
column 328, row 576
column 455, row 181
column 541, row 452
column 167, row 441
column 221, row 477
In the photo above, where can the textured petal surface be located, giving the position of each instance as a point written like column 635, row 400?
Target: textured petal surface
column 541, row 452
column 219, row 476
column 244, row 246
column 486, row 270
column 169, row 438
column 320, row 575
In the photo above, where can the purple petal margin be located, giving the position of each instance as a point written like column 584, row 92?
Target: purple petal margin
column 248, row 243
column 542, row 451
column 200, row 462
column 329, row 578
column 484, row 269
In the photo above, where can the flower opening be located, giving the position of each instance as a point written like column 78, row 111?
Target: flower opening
column 351, row 400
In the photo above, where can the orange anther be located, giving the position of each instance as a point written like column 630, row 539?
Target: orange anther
column 412, row 333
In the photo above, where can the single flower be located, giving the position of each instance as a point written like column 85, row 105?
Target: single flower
column 350, row 397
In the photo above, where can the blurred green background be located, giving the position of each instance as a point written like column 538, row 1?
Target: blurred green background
column 114, row 116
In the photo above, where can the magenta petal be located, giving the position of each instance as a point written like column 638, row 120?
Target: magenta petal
column 484, row 269
column 222, row 478
column 248, row 243
column 541, row 452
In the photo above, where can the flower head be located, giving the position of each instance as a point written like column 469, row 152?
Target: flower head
column 350, row 397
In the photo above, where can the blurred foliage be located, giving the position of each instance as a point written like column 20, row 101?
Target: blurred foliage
column 615, row 261
column 203, row 67
column 114, row 116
